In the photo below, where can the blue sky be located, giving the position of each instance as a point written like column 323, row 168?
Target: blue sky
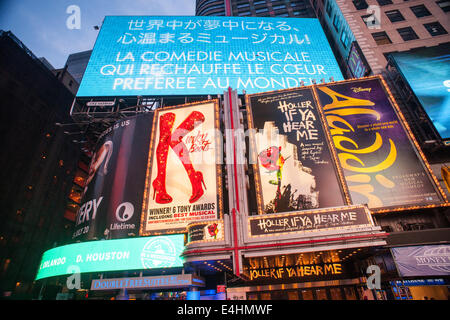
column 41, row 25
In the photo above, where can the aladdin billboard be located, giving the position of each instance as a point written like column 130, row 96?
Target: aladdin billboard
column 183, row 55
column 380, row 159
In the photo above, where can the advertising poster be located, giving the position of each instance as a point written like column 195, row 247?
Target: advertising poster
column 427, row 71
column 211, row 231
column 113, row 193
column 381, row 166
column 183, row 55
column 113, row 255
column 292, row 160
column 356, row 61
column 432, row 260
column 184, row 179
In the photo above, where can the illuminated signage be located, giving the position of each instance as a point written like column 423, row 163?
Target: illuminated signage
column 310, row 220
column 211, row 231
column 184, row 182
column 114, row 189
column 182, row 55
column 296, row 272
column 379, row 156
column 422, row 260
column 294, row 169
column 160, row 282
column 356, row 62
column 427, row 70
column 113, row 255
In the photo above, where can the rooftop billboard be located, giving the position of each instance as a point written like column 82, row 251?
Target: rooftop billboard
column 183, row 55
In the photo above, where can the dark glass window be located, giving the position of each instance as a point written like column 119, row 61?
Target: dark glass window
column 407, row 34
column 360, row 4
column 279, row 7
column 336, row 22
column 344, row 39
column 394, row 15
column 381, row 38
column 444, row 5
column 435, row 28
column 261, row 10
column 384, row 2
column 328, row 8
column 420, row 11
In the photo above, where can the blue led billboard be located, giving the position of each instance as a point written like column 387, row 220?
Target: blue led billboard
column 427, row 70
column 183, row 55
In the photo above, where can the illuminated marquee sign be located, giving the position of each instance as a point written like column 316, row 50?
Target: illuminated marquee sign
column 296, row 272
column 113, row 255
column 310, row 220
column 160, row 282
column 145, row 55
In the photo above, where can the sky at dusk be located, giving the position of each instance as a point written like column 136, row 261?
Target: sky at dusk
column 41, row 25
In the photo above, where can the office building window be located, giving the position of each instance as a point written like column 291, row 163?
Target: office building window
column 384, row 2
column 261, row 10
column 360, row 4
column 278, row 7
column 394, row 15
column 344, row 39
column 407, row 34
column 336, row 22
column 444, row 5
column 435, row 28
column 381, row 38
column 328, row 8
column 420, row 11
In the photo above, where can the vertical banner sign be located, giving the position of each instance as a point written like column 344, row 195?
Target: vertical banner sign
column 184, row 180
column 356, row 62
column 381, row 166
column 113, row 193
column 292, row 161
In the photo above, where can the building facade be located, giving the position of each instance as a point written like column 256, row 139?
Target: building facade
column 76, row 64
column 381, row 27
column 39, row 163
column 254, row 8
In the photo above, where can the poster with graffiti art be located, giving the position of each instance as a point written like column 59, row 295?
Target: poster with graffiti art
column 381, row 165
column 291, row 156
column 183, row 178
column 114, row 189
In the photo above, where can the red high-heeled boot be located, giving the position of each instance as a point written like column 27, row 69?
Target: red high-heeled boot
column 166, row 122
column 196, row 177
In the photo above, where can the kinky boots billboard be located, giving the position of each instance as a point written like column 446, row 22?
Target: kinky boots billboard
column 184, row 177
